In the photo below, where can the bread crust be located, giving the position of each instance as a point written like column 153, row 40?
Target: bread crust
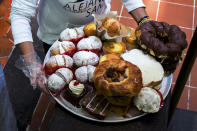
column 130, row 86
column 114, row 47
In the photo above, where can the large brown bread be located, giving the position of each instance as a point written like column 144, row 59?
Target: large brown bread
column 117, row 78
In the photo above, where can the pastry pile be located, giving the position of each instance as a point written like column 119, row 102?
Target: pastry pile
column 103, row 73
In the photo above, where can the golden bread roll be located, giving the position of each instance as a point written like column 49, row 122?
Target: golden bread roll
column 112, row 26
column 117, row 79
column 90, row 29
column 108, row 57
column 114, row 47
column 131, row 41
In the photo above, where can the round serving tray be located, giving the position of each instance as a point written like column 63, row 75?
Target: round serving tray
column 111, row 118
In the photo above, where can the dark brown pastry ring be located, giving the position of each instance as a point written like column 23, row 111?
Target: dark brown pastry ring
column 163, row 41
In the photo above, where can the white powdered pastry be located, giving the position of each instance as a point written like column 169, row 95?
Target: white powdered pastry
column 85, row 73
column 91, row 70
column 148, row 100
column 74, row 33
column 83, row 58
column 59, row 79
column 66, row 74
column 76, row 89
column 68, row 34
column 63, row 46
column 152, row 71
column 55, row 83
column 92, row 42
column 80, row 32
column 82, row 74
column 63, row 60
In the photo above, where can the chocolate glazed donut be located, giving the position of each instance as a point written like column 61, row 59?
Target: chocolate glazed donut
column 163, row 41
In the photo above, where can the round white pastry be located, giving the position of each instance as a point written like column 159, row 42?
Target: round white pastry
column 76, row 89
column 148, row 100
column 65, row 74
column 80, row 32
column 55, row 83
column 63, row 46
column 68, row 34
column 92, row 42
column 152, row 70
column 83, row 58
column 59, row 79
column 82, row 74
column 63, row 60
column 85, row 73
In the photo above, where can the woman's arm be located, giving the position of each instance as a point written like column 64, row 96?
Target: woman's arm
column 21, row 12
column 136, row 8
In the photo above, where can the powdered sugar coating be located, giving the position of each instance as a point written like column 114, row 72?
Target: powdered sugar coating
column 62, row 60
column 81, row 74
column 80, row 32
column 85, row 73
column 55, row 83
column 148, row 100
column 68, row 34
column 92, row 42
column 59, row 79
column 66, row 73
column 90, row 70
column 83, row 58
column 62, row 47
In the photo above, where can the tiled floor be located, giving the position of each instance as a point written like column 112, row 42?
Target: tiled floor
column 179, row 12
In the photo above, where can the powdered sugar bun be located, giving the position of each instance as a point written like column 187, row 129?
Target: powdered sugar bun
column 83, row 58
column 59, row 79
column 62, row 47
column 92, row 42
column 68, row 34
column 64, row 60
column 85, row 73
column 81, row 74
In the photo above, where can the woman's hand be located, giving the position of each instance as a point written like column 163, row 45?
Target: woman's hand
column 31, row 65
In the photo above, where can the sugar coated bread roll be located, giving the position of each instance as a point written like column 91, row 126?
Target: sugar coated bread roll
column 83, row 58
column 91, row 42
column 85, row 73
column 69, row 34
column 59, row 79
column 62, row 47
column 59, row 60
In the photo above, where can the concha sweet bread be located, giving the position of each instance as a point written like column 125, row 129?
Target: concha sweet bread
column 117, row 79
column 64, row 47
column 114, row 47
column 84, row 58
column 152, row 70
column 163, row 41
column 92, row 42
column 58, row 61
column 59, row 79
column 90, row 29
column 108, row 57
